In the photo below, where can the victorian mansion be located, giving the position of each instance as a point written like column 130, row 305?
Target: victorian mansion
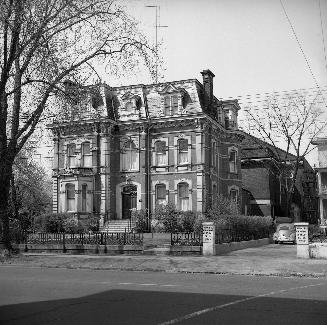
column 134, row 147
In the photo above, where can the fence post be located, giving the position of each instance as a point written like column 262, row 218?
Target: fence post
column 63, row 243
column 209, row 245
column 26, row 239
column 302, row 239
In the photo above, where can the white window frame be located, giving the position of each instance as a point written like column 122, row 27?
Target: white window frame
column 70, row 203
column 235, row 189
column 157, row 154
column 168, row 109
column 177, row 182
column 214, row 153
column 125, row 160
column 71, row 158
column 86, row 158
column 165, row 199
column 176, row 151
column 232, row 165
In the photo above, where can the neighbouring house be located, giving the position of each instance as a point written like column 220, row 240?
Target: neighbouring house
column 264, row 189
column 118, row 149
column 321, row 170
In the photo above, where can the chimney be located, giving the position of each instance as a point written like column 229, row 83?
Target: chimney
column 208, row 87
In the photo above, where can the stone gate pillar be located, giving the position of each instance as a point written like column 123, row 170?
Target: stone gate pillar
column 302, row 239
column 209, row 239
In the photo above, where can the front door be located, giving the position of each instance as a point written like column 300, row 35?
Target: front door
column 128, row 200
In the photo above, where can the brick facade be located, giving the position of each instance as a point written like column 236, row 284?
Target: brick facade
column 133, row 147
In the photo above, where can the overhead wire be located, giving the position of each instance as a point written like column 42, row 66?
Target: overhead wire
column 323, row 35
column 301, row 49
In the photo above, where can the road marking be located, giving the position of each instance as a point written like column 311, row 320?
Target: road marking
column 168, row 285
column 125, row 283
column 214, row 308
column 147, row 284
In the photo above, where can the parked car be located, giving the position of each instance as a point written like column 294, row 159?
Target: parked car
column 285, row 232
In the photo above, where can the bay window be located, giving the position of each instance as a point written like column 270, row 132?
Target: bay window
column 84, row 191
column 70, row 197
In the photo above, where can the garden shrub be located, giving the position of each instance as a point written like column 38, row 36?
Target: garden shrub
column 166, row 218
column 50, row 222
column 186, row 221
column 92, row 223
column 141, row 220
column 168, row 215
column 64, row 222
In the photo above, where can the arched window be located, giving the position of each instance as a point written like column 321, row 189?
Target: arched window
column 182, row 145
column 161, row 153
column 183, row 197
column 130, row 156
column 161, row 194
column 71, row 155
column 84, row 191
column 70, row 197
column 86, row 154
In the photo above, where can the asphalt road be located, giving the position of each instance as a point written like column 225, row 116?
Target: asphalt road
column 72, row 296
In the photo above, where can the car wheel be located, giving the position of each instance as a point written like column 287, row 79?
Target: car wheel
column 276, row 242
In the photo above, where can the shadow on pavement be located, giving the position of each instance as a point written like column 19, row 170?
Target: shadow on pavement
column 152, row 307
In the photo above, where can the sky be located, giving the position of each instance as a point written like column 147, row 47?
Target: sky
column 248, row 44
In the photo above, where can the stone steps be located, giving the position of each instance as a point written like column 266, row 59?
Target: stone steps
column 114, row 226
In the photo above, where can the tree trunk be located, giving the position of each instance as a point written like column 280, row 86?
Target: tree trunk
column 5, row 175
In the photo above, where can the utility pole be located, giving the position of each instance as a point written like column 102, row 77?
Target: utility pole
column 157, row 25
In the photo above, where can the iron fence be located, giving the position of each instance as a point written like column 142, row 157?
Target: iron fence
column 96, row 238
column 186, row 239
column 228, row 235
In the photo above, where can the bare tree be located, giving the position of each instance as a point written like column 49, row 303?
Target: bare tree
column 289, row 123
column 42, row 44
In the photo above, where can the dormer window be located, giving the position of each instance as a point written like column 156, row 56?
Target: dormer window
column 172, row 100
column 171, row 105
column 131, row 102
column 129, row 106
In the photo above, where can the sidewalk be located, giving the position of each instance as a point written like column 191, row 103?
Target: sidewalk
column 277, row 260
